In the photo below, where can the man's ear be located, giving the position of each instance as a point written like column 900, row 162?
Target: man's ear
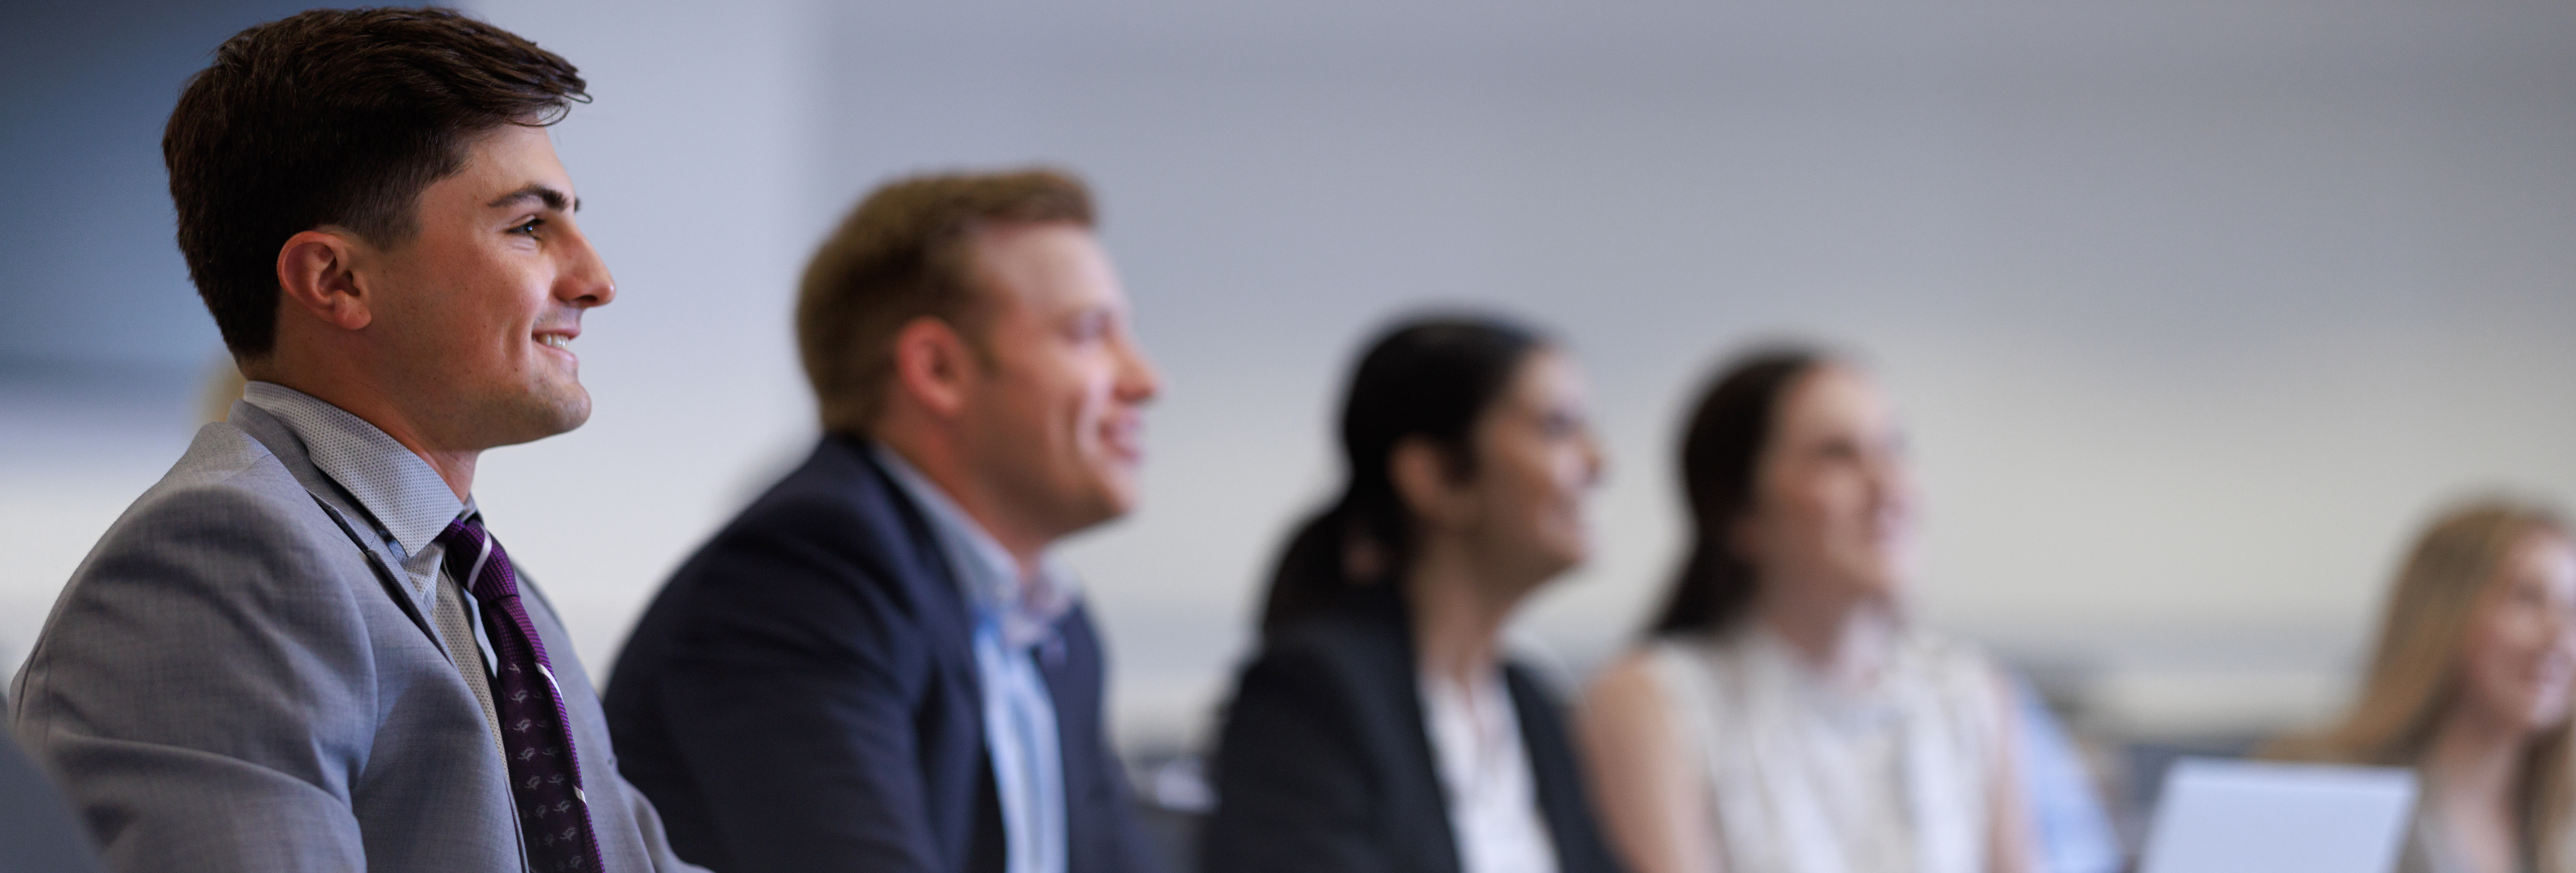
column 931, row 365
column 1426, row 480
column 317, row 275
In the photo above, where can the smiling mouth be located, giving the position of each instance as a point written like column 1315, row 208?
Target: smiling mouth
column 1125, row 441
column 555, row 341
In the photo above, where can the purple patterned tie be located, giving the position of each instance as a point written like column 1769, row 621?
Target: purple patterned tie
column 545, row 777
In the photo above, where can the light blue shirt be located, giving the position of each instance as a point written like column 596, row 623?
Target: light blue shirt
column 1012, row 616
column 2075, row 834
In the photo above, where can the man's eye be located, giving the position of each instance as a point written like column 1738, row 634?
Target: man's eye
column 1558, row 425
column 530, row 227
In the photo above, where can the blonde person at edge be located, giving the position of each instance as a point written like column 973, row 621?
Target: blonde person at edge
column 2470, row 685
column 1783, row 716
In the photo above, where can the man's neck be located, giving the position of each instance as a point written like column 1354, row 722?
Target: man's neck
column 945, row 467
column 363, row 399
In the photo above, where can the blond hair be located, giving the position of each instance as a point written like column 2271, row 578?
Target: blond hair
column 2415, row 671
column 904, row 254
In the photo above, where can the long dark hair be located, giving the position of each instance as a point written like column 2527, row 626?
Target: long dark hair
column 1721, row 457
column 1429, row 377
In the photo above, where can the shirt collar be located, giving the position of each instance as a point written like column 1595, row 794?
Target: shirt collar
column 1025, row 609
column 395, row 485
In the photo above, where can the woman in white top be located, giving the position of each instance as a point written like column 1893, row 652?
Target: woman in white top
column 1381, row 729
column 2472, row 685
column 1784, row 716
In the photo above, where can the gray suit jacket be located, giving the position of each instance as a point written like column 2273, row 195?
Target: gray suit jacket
column 38, row 833
column 235, row 680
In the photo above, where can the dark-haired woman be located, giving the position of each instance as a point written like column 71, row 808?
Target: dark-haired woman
column 1380, row 729
column 1784, row 717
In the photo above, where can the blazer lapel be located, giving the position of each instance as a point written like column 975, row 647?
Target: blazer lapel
column 344, row 511
column 1554, row 774
column 1429, row 842
column 918, row 550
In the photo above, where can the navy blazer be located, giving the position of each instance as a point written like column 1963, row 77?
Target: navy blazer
column 802, row 696
column 1325, row 766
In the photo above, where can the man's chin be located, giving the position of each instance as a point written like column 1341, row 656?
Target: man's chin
column 1118, row 493
column 1109, row 500
column 538, row 415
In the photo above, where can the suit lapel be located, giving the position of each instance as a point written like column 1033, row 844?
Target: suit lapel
column 1429, row 841
column 951, row 629
column 352, row 518
column 919, row 549
column 1554, row 776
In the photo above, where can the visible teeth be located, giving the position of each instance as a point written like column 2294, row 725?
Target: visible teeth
column 556, row 340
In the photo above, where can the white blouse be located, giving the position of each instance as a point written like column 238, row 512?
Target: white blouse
column 1485, row 771
column 1805, row 776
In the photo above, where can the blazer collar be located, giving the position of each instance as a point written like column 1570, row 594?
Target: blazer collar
column 850, row 463
column 1023, row 608
column 408, row 500
column 1559, row 791
column 290, row 453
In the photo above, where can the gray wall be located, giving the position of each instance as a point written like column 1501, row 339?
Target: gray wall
column 90, row 274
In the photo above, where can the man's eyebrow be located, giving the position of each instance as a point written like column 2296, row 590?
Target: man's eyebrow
column 538, row 191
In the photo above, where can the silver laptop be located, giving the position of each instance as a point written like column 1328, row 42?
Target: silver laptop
column 2223, row 816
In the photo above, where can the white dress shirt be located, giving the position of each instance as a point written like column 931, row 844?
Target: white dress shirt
column 1485, row 771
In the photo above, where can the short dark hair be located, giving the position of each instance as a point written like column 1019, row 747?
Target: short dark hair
column 902, row 255
column 336, row 117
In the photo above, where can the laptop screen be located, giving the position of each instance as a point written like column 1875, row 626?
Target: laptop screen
column 2224, row 816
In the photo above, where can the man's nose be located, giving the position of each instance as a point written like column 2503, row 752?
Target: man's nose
column 1138, row 380
column 583, row 280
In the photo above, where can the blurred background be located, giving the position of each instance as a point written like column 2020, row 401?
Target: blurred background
column 2195, row 309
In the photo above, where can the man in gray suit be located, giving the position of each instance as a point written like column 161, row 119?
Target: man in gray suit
column 302, row 650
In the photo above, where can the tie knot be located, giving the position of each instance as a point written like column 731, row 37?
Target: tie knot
column 465, row 528
column 476, row 561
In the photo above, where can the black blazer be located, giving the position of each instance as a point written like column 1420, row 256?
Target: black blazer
column 1324, row 764
column 802, row 697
